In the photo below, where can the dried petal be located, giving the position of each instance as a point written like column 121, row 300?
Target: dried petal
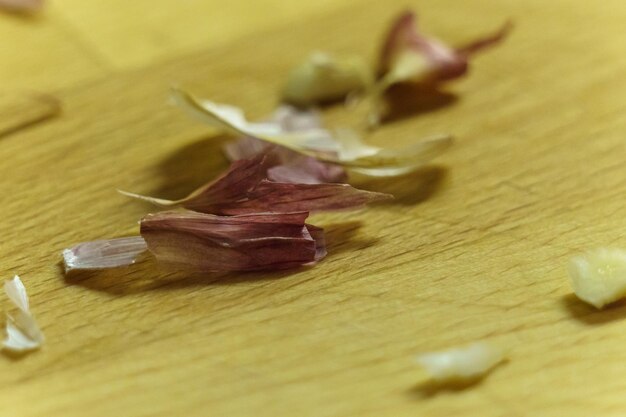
column 464, row 363
column 599, row 276
column 23, row 333
column 21, row 5
column 20, row 109
column 409, row 55
column 16, row 292
column 276, row 197
column 243, row 189
column 342, row 149
column 323, row 78
column 289, row 166
column 104, row 254
column 204, row 242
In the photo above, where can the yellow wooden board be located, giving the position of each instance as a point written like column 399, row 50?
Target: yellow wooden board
column 474, row 247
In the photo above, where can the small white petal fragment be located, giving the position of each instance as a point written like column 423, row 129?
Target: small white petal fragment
column 104, row 254
column 16, row 292
column 599, row 276
column 462, row 363
column 23, row 333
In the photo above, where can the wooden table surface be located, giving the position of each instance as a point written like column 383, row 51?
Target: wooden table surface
column 474, row 247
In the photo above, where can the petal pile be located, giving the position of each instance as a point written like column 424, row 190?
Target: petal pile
column 22, row 332
column 241, row 221
column 252, row 217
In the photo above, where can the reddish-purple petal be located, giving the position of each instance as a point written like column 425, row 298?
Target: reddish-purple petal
column 277, row 197
column 245, row 189
column 441, row 62
column 205, row 242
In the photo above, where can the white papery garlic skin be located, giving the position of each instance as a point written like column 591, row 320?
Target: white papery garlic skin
column 599, row 276
column 22, row 332
column 461, row 363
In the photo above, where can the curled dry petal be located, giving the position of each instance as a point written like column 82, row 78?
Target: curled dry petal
column 16, row 292
column 23, row 333
column 21, row 5
column 243, row 189
column 340, row 149
column 104, row 254
column 463, row 363
column 205, row 242
column 409, row 55
column 323, row 78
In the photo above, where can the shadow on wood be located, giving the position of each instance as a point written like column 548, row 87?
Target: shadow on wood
column 590, row 315
column 409, row 189
column 190, row 167
column 404, row 101
column 431, row 388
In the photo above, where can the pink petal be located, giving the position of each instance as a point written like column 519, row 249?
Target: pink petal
column 104, row 254
column 486, row 41
column 440, row 61
column 277, row 197
column 205, row 242
column 289, row 166
column 245, row 189
column 21, row 5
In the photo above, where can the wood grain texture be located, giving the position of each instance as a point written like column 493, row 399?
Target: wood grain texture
column 473, row 248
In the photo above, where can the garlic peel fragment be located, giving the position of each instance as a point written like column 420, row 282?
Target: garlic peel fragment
column 103, row 254
column 461, row 363
column 23, row 333
column 599, row 276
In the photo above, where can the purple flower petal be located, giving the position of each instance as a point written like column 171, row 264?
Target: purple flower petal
column 205, row 242
column 245, row 189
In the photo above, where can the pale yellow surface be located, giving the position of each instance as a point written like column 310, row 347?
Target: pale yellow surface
column 473, row 248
